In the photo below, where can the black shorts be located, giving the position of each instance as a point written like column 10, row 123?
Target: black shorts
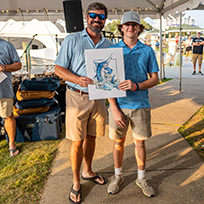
column 189, row 48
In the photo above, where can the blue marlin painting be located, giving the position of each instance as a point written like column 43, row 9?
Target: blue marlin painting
column 105, row 77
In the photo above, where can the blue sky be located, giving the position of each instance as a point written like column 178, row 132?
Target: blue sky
column 197, row 15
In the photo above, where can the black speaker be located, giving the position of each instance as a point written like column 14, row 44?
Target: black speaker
column 73, row 15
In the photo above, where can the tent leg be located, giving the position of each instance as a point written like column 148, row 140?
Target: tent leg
column 160, row 48
column 180, row 53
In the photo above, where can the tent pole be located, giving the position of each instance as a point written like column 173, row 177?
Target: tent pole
column 56, row 40
column 180, row 62
column 160, row 47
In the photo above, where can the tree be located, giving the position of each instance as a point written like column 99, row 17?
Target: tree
column 112, row 27
column 146, row 25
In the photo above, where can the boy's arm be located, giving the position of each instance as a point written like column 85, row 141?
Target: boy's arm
column 149, row 83
column 117, row 114
column 153, row 81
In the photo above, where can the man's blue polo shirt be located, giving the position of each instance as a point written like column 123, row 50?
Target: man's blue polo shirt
column 139, row 61
column 8, row 55
column 71, row 55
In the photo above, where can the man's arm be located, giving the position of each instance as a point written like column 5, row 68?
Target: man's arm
column 11, row 67
column 202, row 43
column 66, row 75
column 197, row 43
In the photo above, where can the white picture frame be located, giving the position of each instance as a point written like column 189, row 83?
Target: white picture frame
column 106, row 68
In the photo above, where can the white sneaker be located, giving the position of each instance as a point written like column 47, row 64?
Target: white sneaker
column 146, row 188
column 114, row 185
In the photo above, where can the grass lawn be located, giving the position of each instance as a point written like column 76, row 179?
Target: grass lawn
column 22, row 177
column 164, row 80
column 193, row 132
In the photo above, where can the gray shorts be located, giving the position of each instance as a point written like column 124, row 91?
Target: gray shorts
column 139, row 119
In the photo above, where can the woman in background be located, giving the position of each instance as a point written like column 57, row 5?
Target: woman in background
column 189, row 48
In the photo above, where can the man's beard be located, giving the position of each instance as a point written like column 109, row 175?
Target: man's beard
column 95, row 29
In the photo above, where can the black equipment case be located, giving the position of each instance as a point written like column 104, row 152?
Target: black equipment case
column 39, row 126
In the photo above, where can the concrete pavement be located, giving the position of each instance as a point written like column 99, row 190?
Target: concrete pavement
column 175, row 169
column 187, row 69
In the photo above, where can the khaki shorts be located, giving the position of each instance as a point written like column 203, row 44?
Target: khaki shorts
column 6, row 107
column 197, row 56
column 84, row 117
column 140, row 121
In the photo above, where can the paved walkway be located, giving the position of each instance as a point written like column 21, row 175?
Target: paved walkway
column 187, row 69
column 175, row 169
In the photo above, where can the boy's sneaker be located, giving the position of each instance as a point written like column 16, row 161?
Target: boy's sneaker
column 114, row 185
column 200, row 73
column 194, row 73
column 146, row 188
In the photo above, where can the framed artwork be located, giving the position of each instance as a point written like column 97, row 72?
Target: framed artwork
column 106, row 68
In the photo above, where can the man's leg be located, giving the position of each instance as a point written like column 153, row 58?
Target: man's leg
column 194, row 67
column 200, row 73
column 88, row 153
column 194, row 60
column 10, row 127
column 200, row 59
column 199, row 67
column 76, row 155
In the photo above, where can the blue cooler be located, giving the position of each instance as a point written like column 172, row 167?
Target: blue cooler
column 39, row 126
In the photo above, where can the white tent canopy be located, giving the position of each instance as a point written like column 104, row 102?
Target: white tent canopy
column 150, row 8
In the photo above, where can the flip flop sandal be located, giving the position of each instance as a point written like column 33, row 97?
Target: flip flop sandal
column 76, row 193
column 94, row 179
column 12, row 151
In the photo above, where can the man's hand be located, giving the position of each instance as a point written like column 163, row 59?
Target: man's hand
column 126, row 85
column 84, row 81
column 2, row 68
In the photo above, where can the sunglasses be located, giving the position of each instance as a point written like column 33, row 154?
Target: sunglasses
column 94, row 15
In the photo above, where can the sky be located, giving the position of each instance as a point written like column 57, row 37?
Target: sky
column 197, row 15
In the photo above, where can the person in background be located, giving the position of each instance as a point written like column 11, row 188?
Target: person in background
column 85, row 119
column 197, row 53
column 9, row 62
column 134, row 109
column 188, row 44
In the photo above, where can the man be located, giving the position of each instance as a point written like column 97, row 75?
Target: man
column 9, row 62
column 198, row 43
column 134, row 109
column 84, row 119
